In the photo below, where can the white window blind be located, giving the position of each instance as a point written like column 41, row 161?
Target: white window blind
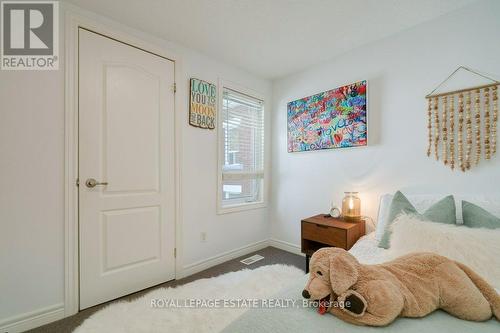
column 243, row 157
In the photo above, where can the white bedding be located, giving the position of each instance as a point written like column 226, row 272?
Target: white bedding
column 367, row 251
column 307, row 320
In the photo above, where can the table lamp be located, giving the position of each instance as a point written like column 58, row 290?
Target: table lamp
column 351, row 206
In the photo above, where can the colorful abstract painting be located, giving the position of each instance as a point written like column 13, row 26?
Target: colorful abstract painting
column 331, row 119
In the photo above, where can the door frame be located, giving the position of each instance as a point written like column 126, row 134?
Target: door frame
column 73, row 22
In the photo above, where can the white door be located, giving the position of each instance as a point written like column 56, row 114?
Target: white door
column 126, row 141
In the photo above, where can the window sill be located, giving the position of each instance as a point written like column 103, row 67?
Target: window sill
column 240, row 207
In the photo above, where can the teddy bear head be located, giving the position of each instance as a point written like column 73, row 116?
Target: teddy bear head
column 332, row 272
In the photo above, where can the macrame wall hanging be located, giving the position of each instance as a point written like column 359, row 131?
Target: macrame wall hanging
column 463, row 122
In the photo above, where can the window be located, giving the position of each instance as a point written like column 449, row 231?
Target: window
column 242, row 150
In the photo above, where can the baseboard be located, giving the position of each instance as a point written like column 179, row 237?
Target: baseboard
column 285, row 246
column 221, row 258
column 29, row 320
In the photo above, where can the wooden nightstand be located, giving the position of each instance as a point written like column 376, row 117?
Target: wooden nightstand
column 325, row 231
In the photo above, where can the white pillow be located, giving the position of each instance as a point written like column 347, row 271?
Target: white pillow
column 383, row 213
column 491, row 203
column 421, row 202
column 477, row 248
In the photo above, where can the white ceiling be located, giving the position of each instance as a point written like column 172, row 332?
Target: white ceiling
column 272, row 38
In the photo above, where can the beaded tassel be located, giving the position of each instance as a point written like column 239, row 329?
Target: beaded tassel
column 429, row 126
column 445, row 130
column 462, row 147
column 472, row 104
column 468, row 128
column 477, row 116
column 452, row 132
column 487, row 124
column 495, row 120
column 461, row 131
column 436, row 128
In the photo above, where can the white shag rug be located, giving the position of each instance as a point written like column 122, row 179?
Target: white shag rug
column 140, row 316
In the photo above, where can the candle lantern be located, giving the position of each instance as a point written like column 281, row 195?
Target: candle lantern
column 351, row 206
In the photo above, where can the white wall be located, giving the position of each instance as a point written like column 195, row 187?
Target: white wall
column 31, row 191
column 32, row 180
column 400, row 71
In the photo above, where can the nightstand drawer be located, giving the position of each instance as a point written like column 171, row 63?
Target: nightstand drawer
column 325, row 231
column 324, row 234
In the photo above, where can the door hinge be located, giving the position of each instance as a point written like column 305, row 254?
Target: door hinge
column 78, row 182
column 175, row 87
column 175, row 252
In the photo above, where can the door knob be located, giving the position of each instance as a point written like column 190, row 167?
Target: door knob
column 91, row 183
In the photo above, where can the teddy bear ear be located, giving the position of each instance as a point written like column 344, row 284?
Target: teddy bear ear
column 354, row 303
column 343, row 271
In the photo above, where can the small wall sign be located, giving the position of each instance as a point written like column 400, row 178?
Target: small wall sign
column 202, row 104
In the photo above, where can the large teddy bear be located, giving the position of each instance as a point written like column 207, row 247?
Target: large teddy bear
column 410, row 286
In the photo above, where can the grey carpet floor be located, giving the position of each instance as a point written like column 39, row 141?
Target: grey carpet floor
column 271, row 256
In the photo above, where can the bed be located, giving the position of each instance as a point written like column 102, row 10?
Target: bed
column 306, row 319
